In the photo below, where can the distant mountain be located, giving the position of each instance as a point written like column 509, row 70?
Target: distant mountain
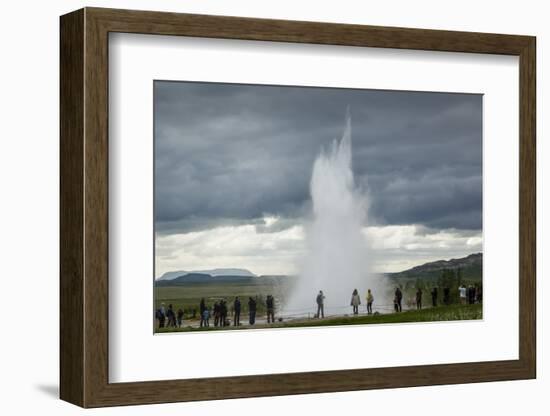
column 205, row 278
column 172, row 275
column 213, row 272
column 471, row 267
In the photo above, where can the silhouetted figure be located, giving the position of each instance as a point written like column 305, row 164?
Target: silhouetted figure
column 447, row 296
column 171, row 316
column 355, row 301
column 237, row 312
column 434, row 297
column 269, row 303
column 202, row 308
column 251, row 311
column 161, row 316
column 370, row 300
column 399, row 298
column 216, row 314
column 223, row 313
column 471, row 295
column 320, row 304
column 179, row 317
column 194, row 313
column 419, row 299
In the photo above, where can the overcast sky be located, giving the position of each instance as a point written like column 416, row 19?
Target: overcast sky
column 233, row 164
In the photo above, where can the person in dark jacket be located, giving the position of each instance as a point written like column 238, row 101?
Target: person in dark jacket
column 320, row 304
column 216, row 313
column 447, row 296
column 161, row 316
column 251, row 311
column 399, row 299
column 237, row 312
column 179, row 317
column 471, row 295
column 202, row 308
column 269, row 303
column 171, row 316
column 223, row 312
column 434, row 297
column 419, row 299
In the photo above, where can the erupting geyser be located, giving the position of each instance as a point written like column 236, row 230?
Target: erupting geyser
column 337, row 256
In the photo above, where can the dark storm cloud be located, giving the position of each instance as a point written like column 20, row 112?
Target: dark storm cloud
column 231, row 154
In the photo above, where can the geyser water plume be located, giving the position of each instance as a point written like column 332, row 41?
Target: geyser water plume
column 337, row 256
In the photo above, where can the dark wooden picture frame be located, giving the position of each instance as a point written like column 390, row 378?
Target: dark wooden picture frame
column 84, row 207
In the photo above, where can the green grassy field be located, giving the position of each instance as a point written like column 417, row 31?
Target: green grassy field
column 438, row 314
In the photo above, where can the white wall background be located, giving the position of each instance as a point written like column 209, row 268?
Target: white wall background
column 29, row 158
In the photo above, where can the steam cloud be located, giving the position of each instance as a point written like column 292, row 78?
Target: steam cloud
column 337, row 260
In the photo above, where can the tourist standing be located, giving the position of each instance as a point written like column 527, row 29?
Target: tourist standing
column 205, row 318
column 419, row 299
column 223, row 312
column 370, row 299
column 251, row 311
column 355, row 301
column 216, row 313
column 171, row 316
column 462, row 294
column 179, row 317
column 237, row 312
column 269, row 302
column 202, row 308
column 471, row 295
column 320, row 304
column 161, row 316
column 399, row 299
column 434, row 297
column 446, row 296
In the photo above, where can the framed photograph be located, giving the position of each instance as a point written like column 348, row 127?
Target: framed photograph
column 255, row 207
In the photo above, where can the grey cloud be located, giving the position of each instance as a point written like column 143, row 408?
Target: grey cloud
column 230, row 154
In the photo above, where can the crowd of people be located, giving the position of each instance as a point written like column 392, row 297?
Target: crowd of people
column 219, row 312
column 168, row 317
column 470, row 295
column 467, row 295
